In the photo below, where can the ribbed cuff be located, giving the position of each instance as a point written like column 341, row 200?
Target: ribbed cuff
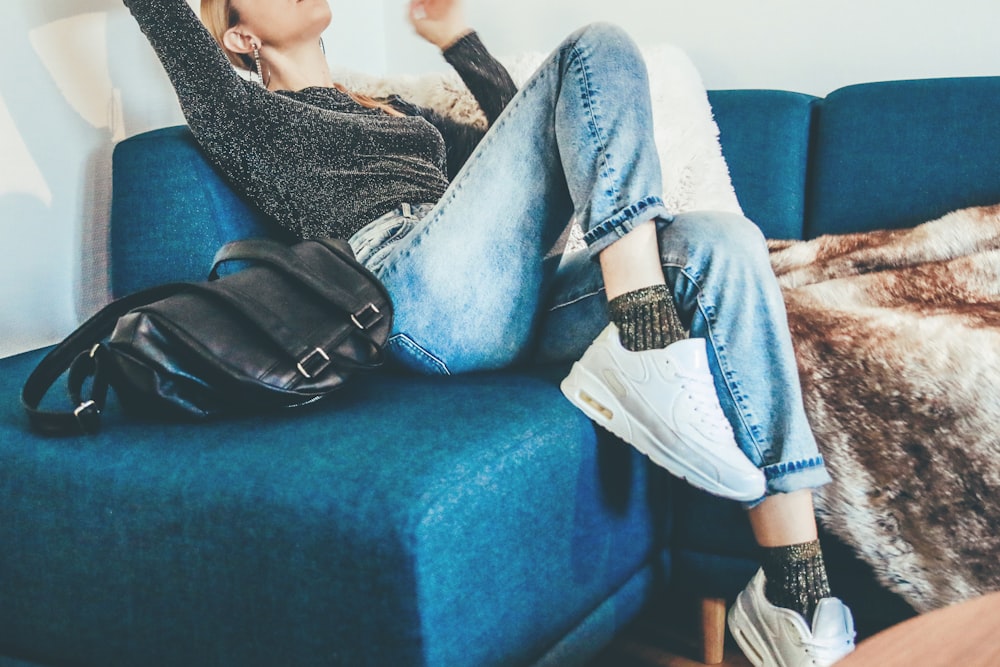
column 647, row 318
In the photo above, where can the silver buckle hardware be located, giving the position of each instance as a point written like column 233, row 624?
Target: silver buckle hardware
column 371, row 314
column 302, row 364
column 85, row 414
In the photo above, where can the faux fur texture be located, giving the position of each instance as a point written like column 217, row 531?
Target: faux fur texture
column 897, row 335
column 695, row 174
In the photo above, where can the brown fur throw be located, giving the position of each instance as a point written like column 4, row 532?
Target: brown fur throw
column 897, row 335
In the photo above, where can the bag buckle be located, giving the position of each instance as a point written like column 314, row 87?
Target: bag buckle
column 302, row 364
column 366, row 317
column 87, row 415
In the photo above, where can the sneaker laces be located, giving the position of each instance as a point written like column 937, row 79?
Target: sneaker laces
column 700, row 390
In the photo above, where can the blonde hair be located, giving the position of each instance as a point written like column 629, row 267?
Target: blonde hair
column 220, row 15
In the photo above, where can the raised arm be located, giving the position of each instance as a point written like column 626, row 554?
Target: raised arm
column 442, row 23
column 201, row 74
column 485, row 77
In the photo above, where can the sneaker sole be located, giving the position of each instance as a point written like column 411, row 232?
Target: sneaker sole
column 748, row 639
column 592, row 397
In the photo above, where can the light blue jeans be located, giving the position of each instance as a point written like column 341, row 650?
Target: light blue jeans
column 473, row 290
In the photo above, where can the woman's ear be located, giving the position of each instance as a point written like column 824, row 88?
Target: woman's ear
column 238, row 41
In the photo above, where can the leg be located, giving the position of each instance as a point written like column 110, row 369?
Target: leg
column 631, row 263
column 717, row 268
column 467, row 280
column 784, row 519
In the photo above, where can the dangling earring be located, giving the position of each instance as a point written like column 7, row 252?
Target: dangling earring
column 322, row 46
column 260, row 71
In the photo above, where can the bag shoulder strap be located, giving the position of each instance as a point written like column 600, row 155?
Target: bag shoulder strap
column 283, row 258
column 81, row 354
column 299, row 346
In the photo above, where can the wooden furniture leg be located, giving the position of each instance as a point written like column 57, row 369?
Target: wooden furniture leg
column 713, row 630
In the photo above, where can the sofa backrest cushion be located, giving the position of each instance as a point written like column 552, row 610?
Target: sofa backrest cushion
column 871, row 156
column 890, row 155
column 765, row 140
column 171, row 211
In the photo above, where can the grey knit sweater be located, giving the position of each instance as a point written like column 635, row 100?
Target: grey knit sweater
column 314, row 160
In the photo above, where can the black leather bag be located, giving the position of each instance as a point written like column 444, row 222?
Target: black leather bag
column 287, row 330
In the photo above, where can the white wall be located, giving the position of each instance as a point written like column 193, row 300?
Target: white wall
column 811, row 46
column 76, row 76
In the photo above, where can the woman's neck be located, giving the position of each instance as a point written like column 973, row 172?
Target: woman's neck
column 295, row 68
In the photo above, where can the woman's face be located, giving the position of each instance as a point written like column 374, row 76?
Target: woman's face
column 279, row 23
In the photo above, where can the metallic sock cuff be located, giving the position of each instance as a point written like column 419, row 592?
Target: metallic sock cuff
column 647, row 318
column 796, row 576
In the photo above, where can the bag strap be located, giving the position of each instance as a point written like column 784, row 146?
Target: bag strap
column 82, row 354
column 305, row 352
column 282, row 258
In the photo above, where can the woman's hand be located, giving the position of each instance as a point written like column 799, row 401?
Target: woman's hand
column 440, row 22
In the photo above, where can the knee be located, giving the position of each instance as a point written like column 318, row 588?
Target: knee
column 721, row 240
column 603, row 32
column 607, row 39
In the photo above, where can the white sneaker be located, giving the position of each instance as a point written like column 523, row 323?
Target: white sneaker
column 772, row 636
column 663, row 403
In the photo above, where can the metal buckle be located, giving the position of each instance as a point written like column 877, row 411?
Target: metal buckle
column 302, row 364
column 369, row 310
column 83, row 411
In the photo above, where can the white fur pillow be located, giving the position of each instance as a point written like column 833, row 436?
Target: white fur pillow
column 695, row 174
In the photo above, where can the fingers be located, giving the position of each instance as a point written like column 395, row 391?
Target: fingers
column 440, row 22
column 418, row 10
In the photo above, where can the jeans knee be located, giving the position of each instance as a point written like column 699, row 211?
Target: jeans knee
column 722, row 240
column 607, row 39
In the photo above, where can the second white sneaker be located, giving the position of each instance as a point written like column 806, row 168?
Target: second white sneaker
column 772, row 636
column 663, row 403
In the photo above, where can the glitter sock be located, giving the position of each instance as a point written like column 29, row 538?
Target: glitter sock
column 796, row 577
column 646, row 318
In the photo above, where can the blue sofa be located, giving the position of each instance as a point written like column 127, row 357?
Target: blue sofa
column 474, row 520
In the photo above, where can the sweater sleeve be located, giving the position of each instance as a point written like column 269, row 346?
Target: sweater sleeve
column 202, row 76
column 491, row 85
column 487, row 80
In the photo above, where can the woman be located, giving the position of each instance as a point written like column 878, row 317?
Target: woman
column 457, row 223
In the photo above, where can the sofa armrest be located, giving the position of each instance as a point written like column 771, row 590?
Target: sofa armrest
column 171, row 210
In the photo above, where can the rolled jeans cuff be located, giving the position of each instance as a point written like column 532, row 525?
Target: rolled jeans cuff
column 603, row 234
column 791, row 476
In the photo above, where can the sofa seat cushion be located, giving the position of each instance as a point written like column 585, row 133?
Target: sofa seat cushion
column 471, row 520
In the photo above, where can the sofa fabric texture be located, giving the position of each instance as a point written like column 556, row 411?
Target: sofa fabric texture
column 418, row 521
column 899, row 153
column 470, row 520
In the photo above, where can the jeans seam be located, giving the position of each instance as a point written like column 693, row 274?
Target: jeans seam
column 405, row 341
column 589, row 101
column 623, row 219
column 575, row 300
